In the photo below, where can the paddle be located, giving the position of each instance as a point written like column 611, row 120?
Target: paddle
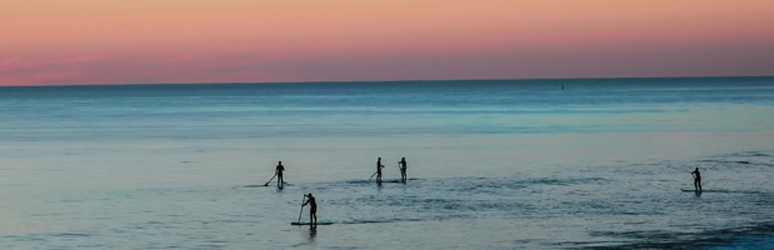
column 302, row 209
column 372, row 176
column 272, row 178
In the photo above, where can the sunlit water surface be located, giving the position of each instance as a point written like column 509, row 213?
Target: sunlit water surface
column 493, row 165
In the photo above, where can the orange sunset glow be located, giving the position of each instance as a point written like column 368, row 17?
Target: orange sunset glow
column 197, row 41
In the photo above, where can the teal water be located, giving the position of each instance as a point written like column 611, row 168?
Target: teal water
column 513, row 164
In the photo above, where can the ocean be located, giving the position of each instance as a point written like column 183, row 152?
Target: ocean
column 493, row 164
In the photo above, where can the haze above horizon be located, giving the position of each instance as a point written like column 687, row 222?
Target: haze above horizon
column 196, row 41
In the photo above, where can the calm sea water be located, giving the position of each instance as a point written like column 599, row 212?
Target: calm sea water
column 506, row 164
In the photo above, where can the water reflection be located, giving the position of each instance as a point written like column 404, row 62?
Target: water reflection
column 312, row 233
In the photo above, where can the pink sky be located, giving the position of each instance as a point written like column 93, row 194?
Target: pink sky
column 197, row 41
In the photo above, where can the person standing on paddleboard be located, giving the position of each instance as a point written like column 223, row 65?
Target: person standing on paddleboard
column 696, row 179
column 379, row 167
column 278, row 172
column 313, row 208
column 402, row 164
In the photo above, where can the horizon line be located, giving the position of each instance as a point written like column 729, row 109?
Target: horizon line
column 384, row 81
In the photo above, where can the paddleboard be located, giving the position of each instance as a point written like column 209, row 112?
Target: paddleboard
column 392, row 181
column 689, row 190
column 307, row 223
column 270, row 185
column 722, row 191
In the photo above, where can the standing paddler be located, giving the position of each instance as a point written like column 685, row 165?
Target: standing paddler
column 402, row 165
column 313, row 209
column 278, row 171
column 379, row 167
column 696, row 179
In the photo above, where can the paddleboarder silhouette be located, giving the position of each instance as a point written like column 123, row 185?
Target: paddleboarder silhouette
column 696, row 179
column 313, row 208
column 278, row 172
column 402, row 164
column 379, row 167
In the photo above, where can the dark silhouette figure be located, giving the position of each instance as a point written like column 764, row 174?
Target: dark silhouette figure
column 313, row 211
column 402, row 165
column 562, row 86
column 379, row 167
column 278, row 172
column 696, row 179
